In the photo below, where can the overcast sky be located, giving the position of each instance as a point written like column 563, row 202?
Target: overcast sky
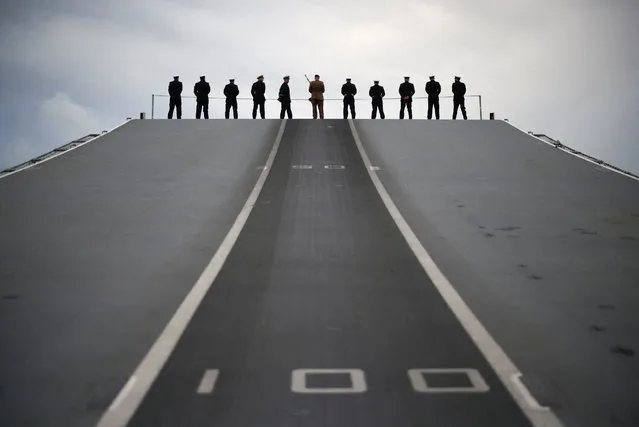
column 567, row 68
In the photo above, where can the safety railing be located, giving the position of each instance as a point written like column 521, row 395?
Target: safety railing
column 332, row 107
column 560, row 145
column 52, row 153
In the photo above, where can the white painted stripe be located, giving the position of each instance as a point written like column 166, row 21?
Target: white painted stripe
column 493, row 353
column 532, row 402
column 123, row 393
column 573, row 154
column 208, row 381
column 157, row 356
column 63, row 152
column 357, row 377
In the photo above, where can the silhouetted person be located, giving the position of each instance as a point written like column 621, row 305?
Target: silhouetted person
column 433, row 89
column 459, row 90
column 349, row 90
column 231, row 91
column 377, row 93
column 285, row 99
column 175, row 97
column 406, row 92
column 316, row 88
column 257, row 91
column 201, row 91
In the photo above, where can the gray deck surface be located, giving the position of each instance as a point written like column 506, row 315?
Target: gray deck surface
column 542, row 245
column 99, row 246
column 321, row 278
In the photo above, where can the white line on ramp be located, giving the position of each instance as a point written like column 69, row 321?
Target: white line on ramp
column 501, row 363
column 131, row 395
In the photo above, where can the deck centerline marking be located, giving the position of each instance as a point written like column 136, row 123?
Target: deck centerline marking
column 209, row 379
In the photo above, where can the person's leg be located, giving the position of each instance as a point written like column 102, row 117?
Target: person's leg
column 227, row 108
column 171, row 107
column 352, row 105
column 455, row 107
column 234, row 108
column 254, row 113
column 345, row 109
column 262, row 114
column 320, row 106
column 178, row 105
column 430, row 108
column 289, row 112
column 282, row 110
column 436, row 105
column 409, row 106
column 462, row 104
column 374, row 112
column 206, row 109
column 198, row 110
column 314, row 103
column 402, row 104
column 381, row 110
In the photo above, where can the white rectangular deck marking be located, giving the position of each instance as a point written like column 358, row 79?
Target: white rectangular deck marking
column 494, row 354
column 208, row 381
column 358, row 383
column 148, row 370
column 334, row 167
column 302, row 166
column 374, row 168
column 420, row 384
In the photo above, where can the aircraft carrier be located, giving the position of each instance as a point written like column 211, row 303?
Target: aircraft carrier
column 316, row 273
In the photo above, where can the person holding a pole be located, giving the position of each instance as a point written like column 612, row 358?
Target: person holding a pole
column 175, row 97
column 316, row 88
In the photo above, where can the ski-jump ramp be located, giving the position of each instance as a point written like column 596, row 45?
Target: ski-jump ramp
column 318, row 273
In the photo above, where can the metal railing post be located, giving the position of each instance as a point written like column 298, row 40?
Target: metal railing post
column 152, row 106
column 480, row 112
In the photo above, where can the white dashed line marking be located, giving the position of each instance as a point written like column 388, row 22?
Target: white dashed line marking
column 358, row 383
column 208, row 381
column 418, row 380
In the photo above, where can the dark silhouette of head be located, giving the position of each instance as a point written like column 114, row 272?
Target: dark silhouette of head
column 432, row 77
column 260, row 77
column 202, row 78
column 176, row 77
column 376, row 82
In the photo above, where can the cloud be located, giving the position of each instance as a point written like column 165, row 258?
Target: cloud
column 559, row 68
column 67, row 119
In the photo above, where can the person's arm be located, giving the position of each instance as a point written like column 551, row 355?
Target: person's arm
column 370, row 92
column 195, row 89
column 354, row 90
column 383, row 93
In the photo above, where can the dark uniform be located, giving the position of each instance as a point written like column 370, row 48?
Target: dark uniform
column 433, row 89
column 377, row 93
column 258, row 91
column 175, row 97
column 231, row 91
column 459, row 90
column 349, row 90
column 406, row 92
column 201, row 91
column 285, row 99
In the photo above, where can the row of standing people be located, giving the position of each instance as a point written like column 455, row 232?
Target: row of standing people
column 202, row 89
